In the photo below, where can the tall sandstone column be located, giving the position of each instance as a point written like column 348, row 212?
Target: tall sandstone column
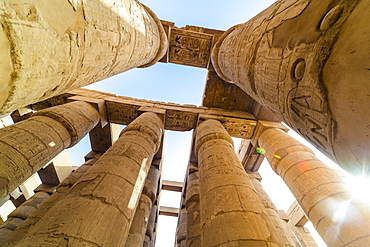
column 99, row 208
column 230, row 211
column 307, row 61
column 192, row 203
column 51, row 47
column 25, row 147
column 338, row 217
column 148, row 197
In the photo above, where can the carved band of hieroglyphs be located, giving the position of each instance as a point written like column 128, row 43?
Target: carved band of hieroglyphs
column 240, row 128
column 190, row 48
column 180, row 121
column 121, row 113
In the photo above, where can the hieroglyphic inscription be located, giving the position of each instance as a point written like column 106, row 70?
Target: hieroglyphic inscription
column 240, row 128
column 121, row 113
column 24, row 142
column 309, row 113
column 190, row 48
column 180, row 120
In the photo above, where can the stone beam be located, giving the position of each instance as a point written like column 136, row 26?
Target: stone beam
column 189, row 45
column 123, row 110
column 172, row 186
column 168, row 211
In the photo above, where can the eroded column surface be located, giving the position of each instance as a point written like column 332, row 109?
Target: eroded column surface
column 99, row 208
column 280, row 225
column 338, row 217
column 27, row 146
column 148, row 197
column 192, row 203
column 61, row 191
column 230, row 211
column 48, row 48
column 306, row 61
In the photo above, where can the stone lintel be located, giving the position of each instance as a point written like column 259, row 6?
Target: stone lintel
column 172, row 186
column 189, row 45
column 123, row 110
column 98, row 104
column 264, row 125
column 93, row 155
column 283, row 215
column 102, row 138
column 48, row 175
column 168, row 211
column 249, row 157
column 296, row 215
column 17, row 116
column 50, row 189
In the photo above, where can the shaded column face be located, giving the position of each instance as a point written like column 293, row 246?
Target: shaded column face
column 49, row 48
column 230, row 210
column 338, row 217
column 192, row 202
column 305, row 61
column 27, row 146
column 140, row 223
column 99, row 208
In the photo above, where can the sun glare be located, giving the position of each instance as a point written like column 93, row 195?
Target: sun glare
column 360, row 188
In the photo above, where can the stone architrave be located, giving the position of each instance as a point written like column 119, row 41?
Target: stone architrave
column 27, row 146
column 51, row 47
column 230, row 211
column 307, row 62
column 339, row 217
column 99, row 208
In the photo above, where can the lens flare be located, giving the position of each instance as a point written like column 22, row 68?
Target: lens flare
column 303, row 166
column 260, row 150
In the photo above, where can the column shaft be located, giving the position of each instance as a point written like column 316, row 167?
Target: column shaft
column 49, row 48
column 304, row 61
column 193, row 232
column 27, row 146
column 231, row 213
column 280, row 225
column 320, row 191
column 99, row 208
column 62, row 190
column 148, row 197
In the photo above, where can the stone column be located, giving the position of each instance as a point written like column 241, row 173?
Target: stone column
column 148, row 197
column 304, row 60
column 192, row 202
column 61, row 191
column 231, row 213
column 340, row 219
column 49, row 48
column 181, row 228
column 280, row 225
column 20, row 214
column 27, row 146
column 99, row 208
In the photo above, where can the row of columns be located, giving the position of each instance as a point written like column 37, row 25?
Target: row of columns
column 223, row 205
column 235, row 210
column 97, row 205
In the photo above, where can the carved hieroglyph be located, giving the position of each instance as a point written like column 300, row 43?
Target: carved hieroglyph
column 307, row 61
column 190, row 48
column 48, row 48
